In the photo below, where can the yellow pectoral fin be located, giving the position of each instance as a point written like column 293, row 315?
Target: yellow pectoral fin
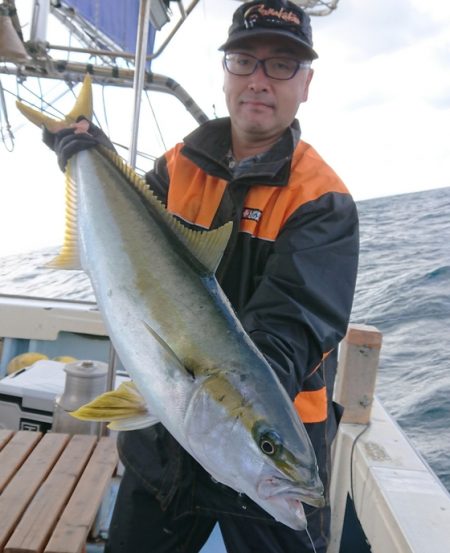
column 135, row 423
column 124, row 403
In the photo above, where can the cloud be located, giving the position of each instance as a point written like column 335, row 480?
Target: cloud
column 440, row 100
column 379, row 104
column 442, row 55
column 374, row 27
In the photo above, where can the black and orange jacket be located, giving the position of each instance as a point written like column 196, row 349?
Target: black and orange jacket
column 289, row 269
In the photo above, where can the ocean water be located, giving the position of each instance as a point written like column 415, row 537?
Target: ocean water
column 403, row 289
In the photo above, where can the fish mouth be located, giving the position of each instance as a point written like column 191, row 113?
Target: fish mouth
column 273, row 487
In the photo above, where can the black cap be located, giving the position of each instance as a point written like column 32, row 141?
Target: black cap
column 271, row 18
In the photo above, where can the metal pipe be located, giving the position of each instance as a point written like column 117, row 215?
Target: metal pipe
column 75, row 72
column 129, row 55
column 110, row 384
column 4, row 114
column 41, row 9
column 139, row 75
column 94, row 51
column 138, row 84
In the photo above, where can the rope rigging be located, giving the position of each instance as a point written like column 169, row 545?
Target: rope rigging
column 110, row 65
column 6, row 133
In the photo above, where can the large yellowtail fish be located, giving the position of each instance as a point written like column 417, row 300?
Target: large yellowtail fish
column 193, row 367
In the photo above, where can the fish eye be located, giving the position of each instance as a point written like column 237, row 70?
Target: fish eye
column 270, row 443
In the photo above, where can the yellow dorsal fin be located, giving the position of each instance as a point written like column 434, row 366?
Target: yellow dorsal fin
column 69, row 257
column 82, row 106
column 206, row 246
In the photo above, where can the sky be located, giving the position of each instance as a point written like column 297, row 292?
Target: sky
column 378, row 110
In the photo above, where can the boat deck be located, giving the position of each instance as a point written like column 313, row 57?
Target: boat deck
column 51, row 488
column 380, row 483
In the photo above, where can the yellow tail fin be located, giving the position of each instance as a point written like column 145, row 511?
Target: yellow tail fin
column 82, row 106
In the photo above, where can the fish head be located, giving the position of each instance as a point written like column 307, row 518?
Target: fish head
column 262, row 451
column 288, row 475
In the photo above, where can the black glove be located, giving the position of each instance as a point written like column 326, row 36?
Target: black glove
column 66, row 143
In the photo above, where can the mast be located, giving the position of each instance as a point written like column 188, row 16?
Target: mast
column 139, row 74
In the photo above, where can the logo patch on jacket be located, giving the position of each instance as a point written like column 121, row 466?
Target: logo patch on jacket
column 251, row 214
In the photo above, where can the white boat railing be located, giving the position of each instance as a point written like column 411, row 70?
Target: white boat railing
column 400, row 505
column 399, row 501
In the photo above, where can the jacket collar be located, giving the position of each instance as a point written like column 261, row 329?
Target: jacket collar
column 210, row 144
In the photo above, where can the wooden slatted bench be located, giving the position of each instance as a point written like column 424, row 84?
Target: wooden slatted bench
column 51, row 487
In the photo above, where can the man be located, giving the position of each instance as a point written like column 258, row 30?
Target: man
column 289, row 271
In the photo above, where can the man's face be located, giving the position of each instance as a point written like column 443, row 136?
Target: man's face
column 261, row 107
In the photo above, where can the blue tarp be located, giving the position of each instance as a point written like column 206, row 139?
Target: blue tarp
column 117, row 19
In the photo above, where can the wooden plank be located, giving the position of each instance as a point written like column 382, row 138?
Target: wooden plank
column 357, row 371
column 76, row 521
column 36, row 525
column 14, row 454
column 5, row 436
column 364, row 336
column 20, row 490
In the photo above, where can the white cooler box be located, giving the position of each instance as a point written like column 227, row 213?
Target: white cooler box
column 27, row 397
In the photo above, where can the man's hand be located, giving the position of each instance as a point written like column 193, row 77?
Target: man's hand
column 82, row 135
